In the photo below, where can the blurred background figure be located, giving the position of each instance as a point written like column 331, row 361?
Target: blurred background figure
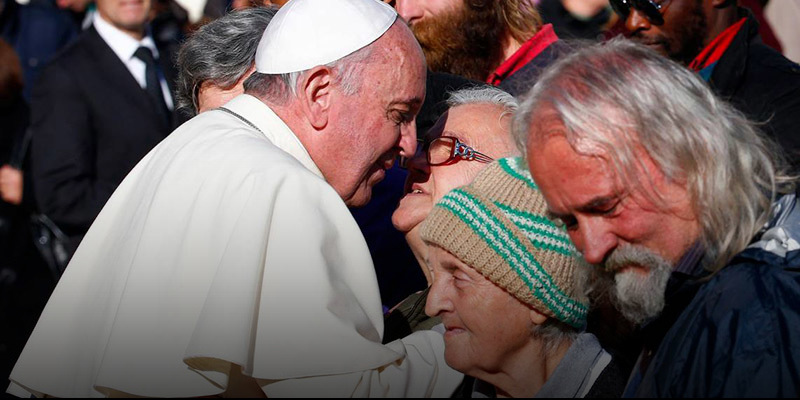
column 240, row 4
column 37, row 30
column 577, row 19
column 25, row 281
column 720, row 41
column 783, row 16
column 499, row 42
column 97, row 109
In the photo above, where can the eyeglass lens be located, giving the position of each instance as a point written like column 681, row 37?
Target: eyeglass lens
column 440, row 150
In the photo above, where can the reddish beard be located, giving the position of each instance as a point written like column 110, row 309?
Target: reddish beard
column 464, row 41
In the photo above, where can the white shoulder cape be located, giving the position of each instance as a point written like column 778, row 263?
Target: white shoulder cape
column 224, row 245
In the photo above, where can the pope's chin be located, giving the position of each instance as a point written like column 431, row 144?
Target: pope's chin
column 363, row 193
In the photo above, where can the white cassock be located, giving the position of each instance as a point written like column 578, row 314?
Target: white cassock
column 224, row 245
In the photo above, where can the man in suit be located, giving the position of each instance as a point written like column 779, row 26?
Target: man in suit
column 98, row 108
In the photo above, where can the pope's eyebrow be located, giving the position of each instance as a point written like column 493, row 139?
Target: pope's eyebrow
column 411, row 101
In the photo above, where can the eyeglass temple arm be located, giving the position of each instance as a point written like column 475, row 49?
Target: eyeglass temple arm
column 478, row 156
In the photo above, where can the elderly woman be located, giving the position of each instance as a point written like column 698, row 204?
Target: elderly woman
column 474, row 130
column 510, row 288
column 216, row 59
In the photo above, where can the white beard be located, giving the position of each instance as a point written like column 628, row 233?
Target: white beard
column 638, row 296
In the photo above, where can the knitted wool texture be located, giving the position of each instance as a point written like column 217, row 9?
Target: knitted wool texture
column 497, row 225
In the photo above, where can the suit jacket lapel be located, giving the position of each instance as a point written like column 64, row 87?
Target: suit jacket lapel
column 118, row 75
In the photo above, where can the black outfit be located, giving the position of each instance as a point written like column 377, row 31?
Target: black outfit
column 521, row 81
column 763, row 84
column 25, row 280
column 91, row 123
column 568, row 26
column 37, row 31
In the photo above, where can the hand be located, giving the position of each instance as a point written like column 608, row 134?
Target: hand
column 11, row 184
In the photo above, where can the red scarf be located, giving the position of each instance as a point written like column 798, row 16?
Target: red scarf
column 705, row 61
column 529, row 50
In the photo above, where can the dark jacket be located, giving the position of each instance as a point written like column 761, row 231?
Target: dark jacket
column 736, row 334
column 37, row 31
column 521, row 81
column 763, row 84
column 91, row 124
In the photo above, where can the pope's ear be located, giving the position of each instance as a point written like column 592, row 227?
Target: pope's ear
column 315, row 95
column 537, row 317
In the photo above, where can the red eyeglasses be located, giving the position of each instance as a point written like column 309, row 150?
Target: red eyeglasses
column 447, row 150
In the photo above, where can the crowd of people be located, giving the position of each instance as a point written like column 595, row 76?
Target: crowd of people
column 399, row 198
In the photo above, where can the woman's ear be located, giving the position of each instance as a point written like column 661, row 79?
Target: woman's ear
column 315, row 95
column 537, row 317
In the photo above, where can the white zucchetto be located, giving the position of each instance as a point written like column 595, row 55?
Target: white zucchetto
column 307, row 33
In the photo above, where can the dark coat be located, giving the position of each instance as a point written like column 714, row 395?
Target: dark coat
column 37, row 31
column 763, row 84
column 735, row 334
column 91, row 124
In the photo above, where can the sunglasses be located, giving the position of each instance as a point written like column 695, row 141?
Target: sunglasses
column 446, row 150
column 652, row 9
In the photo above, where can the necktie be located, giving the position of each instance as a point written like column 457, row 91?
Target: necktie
column 153, row 87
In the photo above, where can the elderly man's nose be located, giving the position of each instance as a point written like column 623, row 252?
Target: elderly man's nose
column 594, row 241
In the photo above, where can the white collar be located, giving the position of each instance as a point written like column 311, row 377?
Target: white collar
column 273, row 127
column 120, row 42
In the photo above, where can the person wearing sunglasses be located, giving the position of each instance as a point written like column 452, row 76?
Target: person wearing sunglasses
column 472, row 132
column 720, row 41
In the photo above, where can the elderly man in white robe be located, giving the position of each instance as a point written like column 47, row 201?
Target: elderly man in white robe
column 227, row 262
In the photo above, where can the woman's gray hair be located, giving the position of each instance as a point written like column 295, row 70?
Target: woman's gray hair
column 277, row 88
column 220, row 52
column 616, row 96
column 553, row 332
column 483, row 94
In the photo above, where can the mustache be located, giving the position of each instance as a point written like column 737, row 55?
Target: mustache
column 627, row 254
column 637, row 296
column 643, row 39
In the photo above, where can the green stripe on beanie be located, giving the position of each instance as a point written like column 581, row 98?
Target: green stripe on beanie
column 497, row 226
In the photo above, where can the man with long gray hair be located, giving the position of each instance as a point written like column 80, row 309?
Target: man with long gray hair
column 684, row 207
column 216, row 59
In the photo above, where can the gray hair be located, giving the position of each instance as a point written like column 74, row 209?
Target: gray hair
column 278, row 88
column 616, row 96
column 220, row 52
column 483, row 95
column 553, row 332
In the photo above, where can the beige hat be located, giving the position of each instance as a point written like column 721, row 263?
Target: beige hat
column 497, row 225
column 307, row 33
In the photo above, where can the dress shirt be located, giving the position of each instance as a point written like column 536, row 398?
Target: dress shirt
column 124, row 46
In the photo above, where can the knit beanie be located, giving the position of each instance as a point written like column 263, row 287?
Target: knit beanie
column 497, row 226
